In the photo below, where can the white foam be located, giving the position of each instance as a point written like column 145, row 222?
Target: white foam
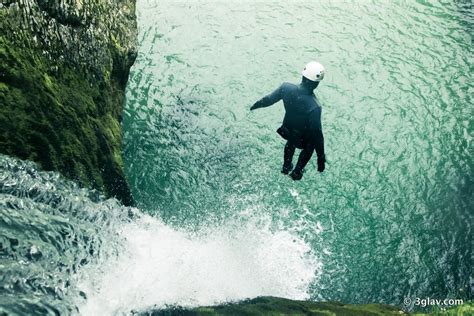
column 164, row 266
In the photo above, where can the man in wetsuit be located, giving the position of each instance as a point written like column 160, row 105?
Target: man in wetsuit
column 302, row 122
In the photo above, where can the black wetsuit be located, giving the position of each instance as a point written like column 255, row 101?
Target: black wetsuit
column 301, row 124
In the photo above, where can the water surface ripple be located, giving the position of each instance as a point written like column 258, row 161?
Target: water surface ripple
column 391, row 217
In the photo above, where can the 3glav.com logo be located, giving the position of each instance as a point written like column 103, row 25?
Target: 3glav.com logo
column 424, row 302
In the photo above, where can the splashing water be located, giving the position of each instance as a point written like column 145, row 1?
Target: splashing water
column 162, row 266
column 67, row 247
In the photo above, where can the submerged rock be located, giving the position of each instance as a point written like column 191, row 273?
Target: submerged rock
column 64, row 67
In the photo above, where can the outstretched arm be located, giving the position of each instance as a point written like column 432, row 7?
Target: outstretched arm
column 268, row 100
column 318, row 138
column 316, row 130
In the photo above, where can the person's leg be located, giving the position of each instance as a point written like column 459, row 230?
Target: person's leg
column 303, row 159
column 288, row 157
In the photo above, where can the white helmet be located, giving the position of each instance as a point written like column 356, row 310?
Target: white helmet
column 313, row 71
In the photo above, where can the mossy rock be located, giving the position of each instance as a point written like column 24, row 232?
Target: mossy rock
column 281, row 306
column 62, row 80
column 275, row 306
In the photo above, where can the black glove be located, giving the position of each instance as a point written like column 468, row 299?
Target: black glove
column 296, row 174
column 321, row 162
column 255, row 106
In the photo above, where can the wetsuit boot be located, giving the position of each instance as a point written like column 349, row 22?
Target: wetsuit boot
column 303, row 159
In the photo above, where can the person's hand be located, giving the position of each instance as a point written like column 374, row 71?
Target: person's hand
column 256, row 105
column 296, row 174
column 321, row 162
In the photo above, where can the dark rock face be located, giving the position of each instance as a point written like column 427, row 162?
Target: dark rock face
column 64, row 67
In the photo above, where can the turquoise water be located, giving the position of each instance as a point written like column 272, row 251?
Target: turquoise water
column 389, row 219
column 391, row 216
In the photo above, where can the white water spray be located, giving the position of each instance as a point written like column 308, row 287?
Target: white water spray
column 162, row 266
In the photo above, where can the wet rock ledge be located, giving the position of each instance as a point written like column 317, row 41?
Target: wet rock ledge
column 275, row 306
column 64, row 67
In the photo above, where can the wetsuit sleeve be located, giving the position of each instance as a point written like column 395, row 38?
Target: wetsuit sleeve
column 270, row 99
column 316, row 130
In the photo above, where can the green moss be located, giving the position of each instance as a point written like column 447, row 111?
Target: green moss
column 115, row 42
column 275, row 306
column 63, row 115
column 461, row 310
column 280, row 306
column 48, row 82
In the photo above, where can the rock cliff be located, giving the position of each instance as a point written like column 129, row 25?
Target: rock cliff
column 64, row 67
